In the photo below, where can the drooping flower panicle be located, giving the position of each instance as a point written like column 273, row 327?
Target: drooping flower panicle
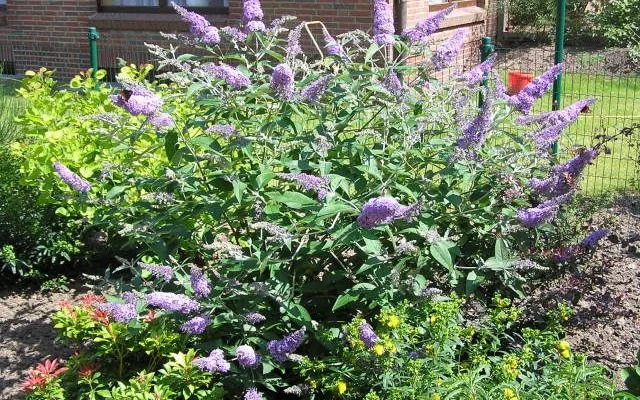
column 199, row 283
column 247, row 356
column 524, row 100
column 282, row 81
column 163, row 272
column 477, row 73
column 121, row 312
column 232, row 76
column 383, row 210
column 172, row 302
column 252, row 16
column 331, row 44
column 314, row 91
column 317, row 184
column 214, row 363
column 474, row 133
column 198, row 25
column 252, row 394
column 367, row 335
column 72, row 179
column 280, row 349
column 383, row 29
column 591, row 241
column 419, row 34
column 445, row 53
column 196, row 325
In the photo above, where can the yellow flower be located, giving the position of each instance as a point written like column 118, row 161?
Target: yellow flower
column 433, row 319
column 393, row 321
column 342, row 387
column 509, row 394
column 565, row 354
column 436, row 396
column 439, row 382
column 313, row 384
column 378, row 349
column 563, row 345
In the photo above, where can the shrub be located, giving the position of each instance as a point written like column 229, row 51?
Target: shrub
column 268, row 185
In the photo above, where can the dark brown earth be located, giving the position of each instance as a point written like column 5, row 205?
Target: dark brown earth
column 605, row 296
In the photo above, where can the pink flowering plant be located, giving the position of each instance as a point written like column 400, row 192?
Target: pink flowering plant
column 273, row 187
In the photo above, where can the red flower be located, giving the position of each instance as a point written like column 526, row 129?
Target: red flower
column 87, row 369
column 65, row 304
column 151, row 315
column 99, row 316
column 90, row 299
column 43, row 373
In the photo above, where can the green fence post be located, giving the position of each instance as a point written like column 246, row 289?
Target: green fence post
column 93, row 50
column 561, row 14
column 486, row 49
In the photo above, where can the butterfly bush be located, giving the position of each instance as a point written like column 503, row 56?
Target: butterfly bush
column 304, row 188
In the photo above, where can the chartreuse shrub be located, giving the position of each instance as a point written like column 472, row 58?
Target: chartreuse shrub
column 276, row 193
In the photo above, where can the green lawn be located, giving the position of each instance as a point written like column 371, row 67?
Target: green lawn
column 618, row 106
column 9, row 107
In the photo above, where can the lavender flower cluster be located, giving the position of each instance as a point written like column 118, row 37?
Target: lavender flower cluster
column 214, row 363
column 367, row 335
column 544, row 212
column 252, row 16
column 419, row 34
column 198, row 25
column 199, row 283
column 474, row 133
column 591, row 241
column 70, row 178
column 141, row 101
column 383, row 28
column 447, row 52
column 282, row 81
column 331, row 44
column 196, row 325
column 477, row 73
column 163, row 272
column 318, row 185
column 172, row 302
column 280, row 349
column 232, row 76
column 314, row 91
column 383, row 210
column 247, row 356
column 121, row 312
column 563, row 177
column 524, row 100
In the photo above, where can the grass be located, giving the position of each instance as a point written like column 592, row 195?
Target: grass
column 10, row 106
column 618, row 106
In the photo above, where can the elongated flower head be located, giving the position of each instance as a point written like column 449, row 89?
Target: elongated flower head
column 576, row 165
column 252, row 16
column 172, row 302
column 293, row 42
column 232, row 76
column 247, row 357
column 477, row 73
column 162, row 121
column 199, row 283
column 121, row 312
column 428, row 26
column 367, row 335
column 524, row 100
column 214, row 363
column 312, row 93
column 383, row 28
column 319, row 185
column 591, row 241
column 380, row 210
column 393, row 83
column 282, row 81
column 225, row 130
column 71, row 178
column 448, row 51
column 280, row 349
column 138, row 100
column 252, row 394
column 163, row 272
column 197, row 23
column 331, row 44
column 254, row 318
column 195, row 326
column 474, row 133
column 535, row 216
column 568, row 114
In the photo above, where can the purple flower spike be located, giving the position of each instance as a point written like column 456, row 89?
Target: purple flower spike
column 591, row 241
column 195, row 326
column 312, row 93
column 121, row 312
column 214, row 363
column 282, row 81
column 247, row 357
column 71, row 179
column 524, row 100
column 163, row 272
column 425, row 28
column 331, row 44
column 138, row 101
column 254, row 318
column 280, row 349
column 383, row 28
column 544, row 212
column 477, row 73
column 393, row 84
column 232, row 76
column 200, row 283
column 252, row 394
column 576, row 165
column 162, row 121
column 293, row 42
column 225, row 130
column 252, row 16
column 198, row 25
column 172, row 302
column 367, row 335
column 381, row 210
column 473, row 134
column 316, row 184
column 568, row 114
column 447, row 52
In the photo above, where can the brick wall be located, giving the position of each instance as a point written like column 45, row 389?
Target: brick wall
column 53, row 33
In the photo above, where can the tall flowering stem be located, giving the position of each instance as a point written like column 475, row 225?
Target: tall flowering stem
column 280, row 349
column 447, row 52
column 419, row 34
column 72, row 179
column 383, row 28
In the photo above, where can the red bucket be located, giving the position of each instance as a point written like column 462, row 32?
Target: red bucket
column 517, row 80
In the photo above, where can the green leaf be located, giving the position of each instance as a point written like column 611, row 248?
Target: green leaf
column 472, row 282
column 292, row 199
column 115, row 191
column 171, row 144
column 238, row 189
column 263, row 179
column 343, row 300
column 501, row 250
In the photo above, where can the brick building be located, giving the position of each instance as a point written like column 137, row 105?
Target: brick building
column 53, row 33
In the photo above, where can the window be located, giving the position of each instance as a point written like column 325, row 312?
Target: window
column 160, row 6
column 437, row 5
column 3, row 4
